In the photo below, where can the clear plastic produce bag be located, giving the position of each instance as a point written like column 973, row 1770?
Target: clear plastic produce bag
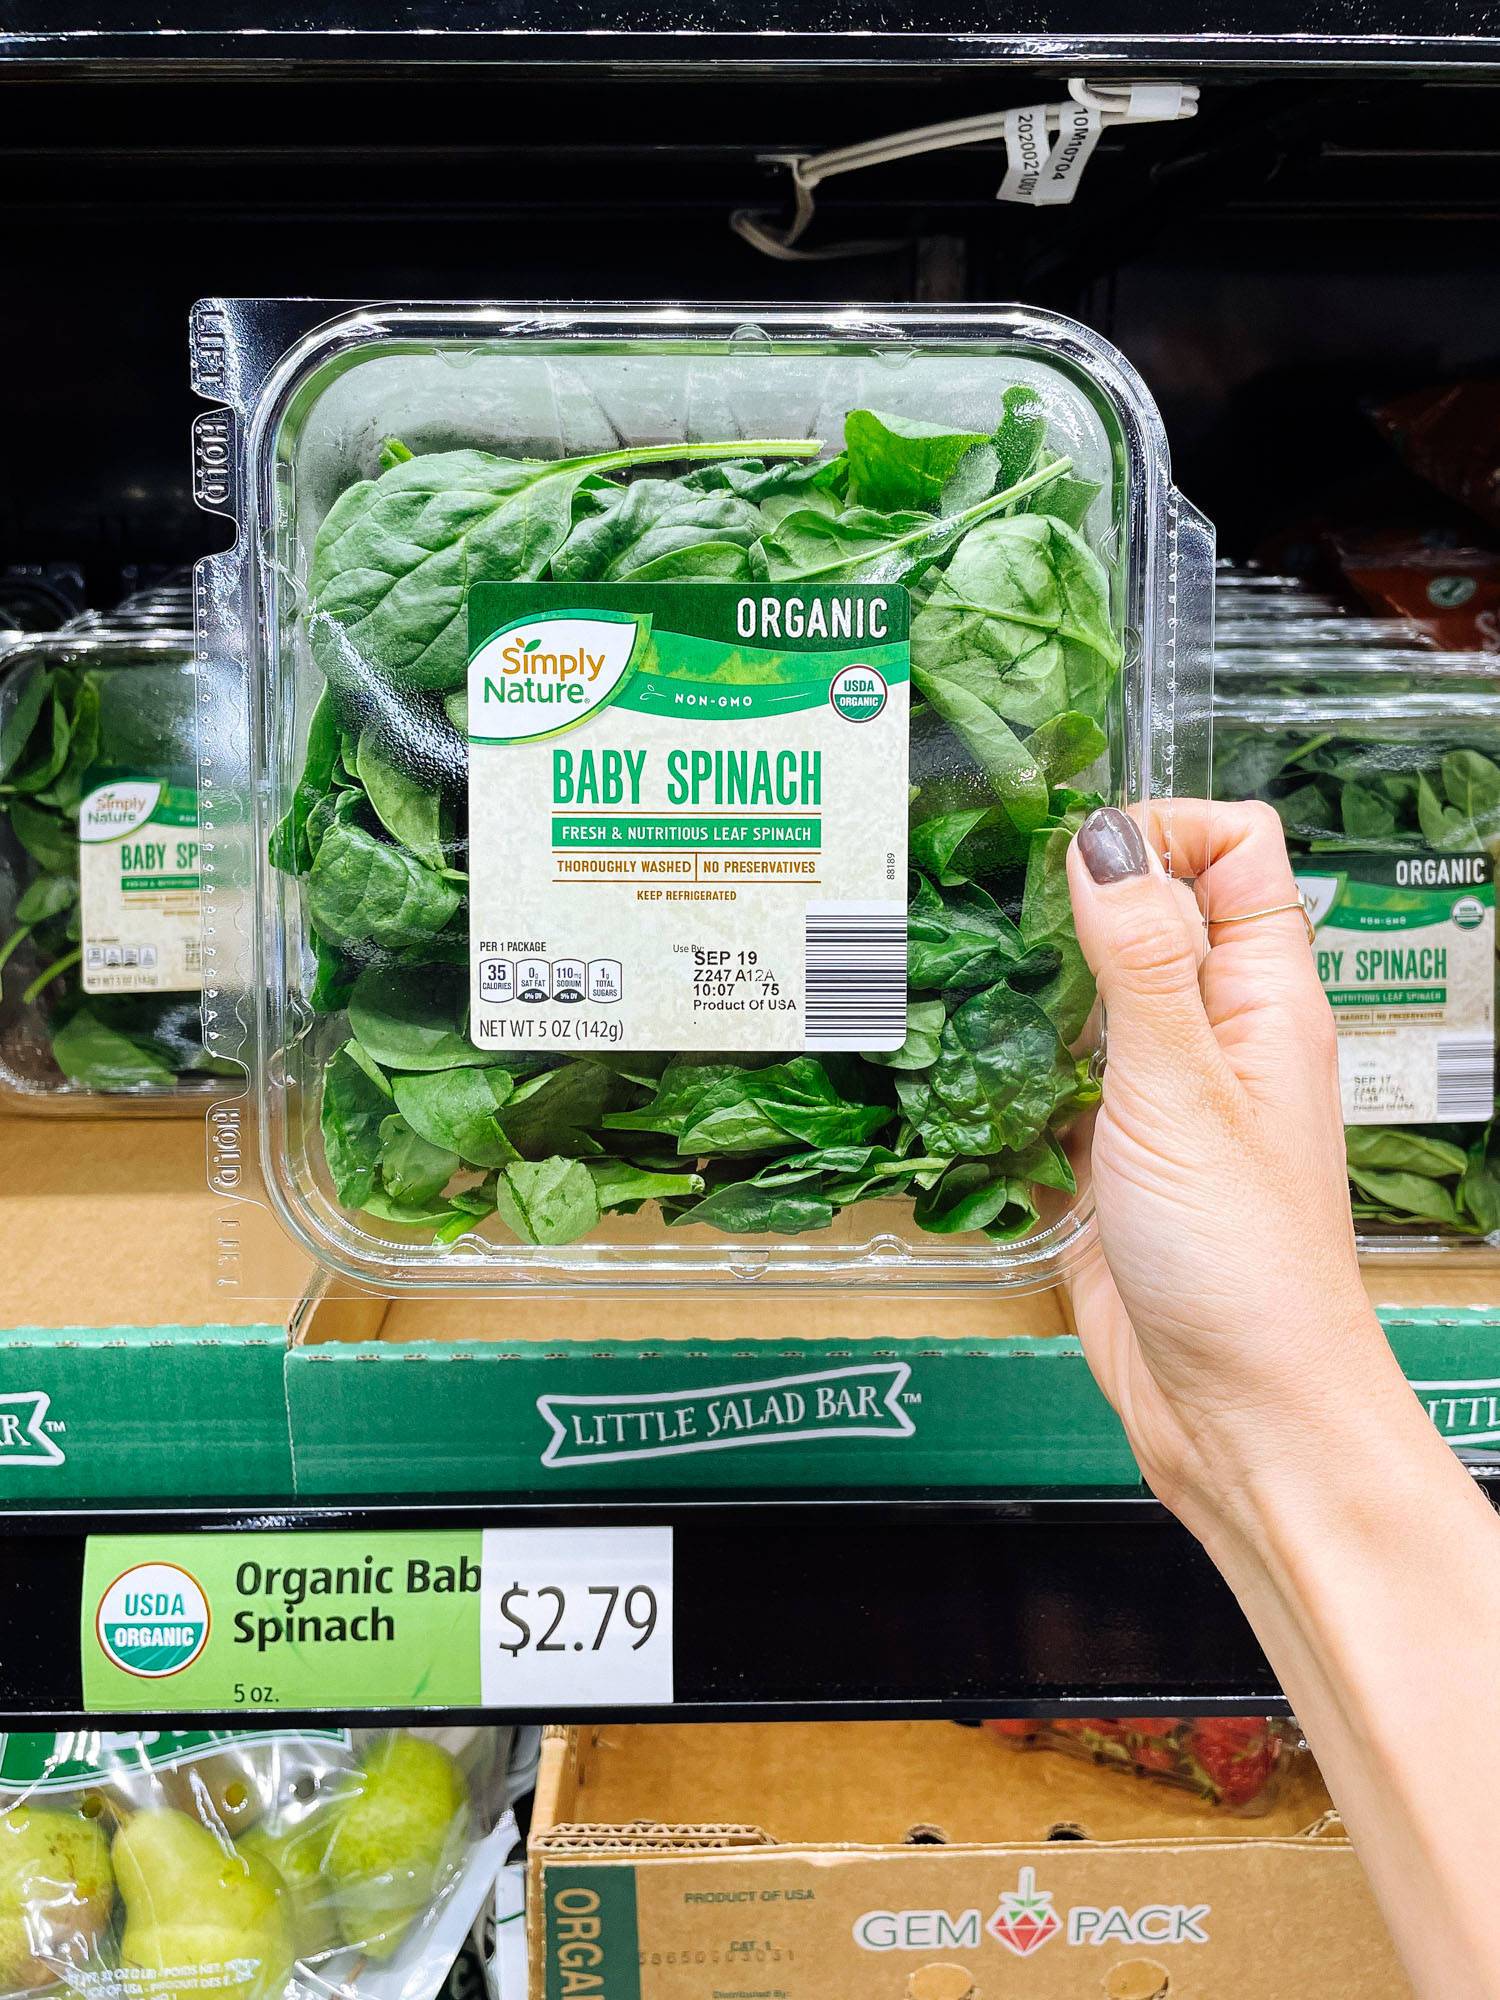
column 1237, row 1762
column 261, row 1865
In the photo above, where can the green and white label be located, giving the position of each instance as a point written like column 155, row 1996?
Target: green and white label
column 1406, row 952
column 139, row 887
column 153, row 1619
column 40, row 1761
column 687, row 816
column 501, row 1618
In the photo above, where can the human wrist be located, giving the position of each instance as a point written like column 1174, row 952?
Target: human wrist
column 1290, row 1458
column 1307, row 1465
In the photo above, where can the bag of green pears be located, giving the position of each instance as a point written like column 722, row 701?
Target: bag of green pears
column 250, row 1865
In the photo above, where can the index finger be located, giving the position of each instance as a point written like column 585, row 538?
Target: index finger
column 1234, row 855
column 1259, row 981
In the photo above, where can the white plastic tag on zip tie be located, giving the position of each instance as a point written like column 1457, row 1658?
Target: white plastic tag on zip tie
column 1078, row 134
column 1041, row 170
column 1026, row 147
column 1157, row 102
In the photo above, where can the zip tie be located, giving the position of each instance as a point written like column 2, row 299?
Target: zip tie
column 1047, row 147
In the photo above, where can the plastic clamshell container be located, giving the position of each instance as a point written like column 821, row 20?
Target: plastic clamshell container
column 1238, row 1763
column 117, row 1027
column 545, row 383
column 1239, row 632
column 1295, row 737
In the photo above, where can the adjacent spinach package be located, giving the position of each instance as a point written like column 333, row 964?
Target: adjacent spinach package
column 1386, row 775
column 100, row 973
column 666, row 734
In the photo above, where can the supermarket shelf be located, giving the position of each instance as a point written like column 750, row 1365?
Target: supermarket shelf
column 1259, row 34
column 820, row 1606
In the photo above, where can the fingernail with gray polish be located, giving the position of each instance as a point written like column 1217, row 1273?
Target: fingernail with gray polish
column 1111, row 845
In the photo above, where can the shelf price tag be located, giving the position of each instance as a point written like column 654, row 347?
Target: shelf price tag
column 581, row 1617
column 548, row 1618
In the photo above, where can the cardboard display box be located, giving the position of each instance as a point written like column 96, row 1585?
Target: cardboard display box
column 125, row 1371
column 758, row 1390
column 130, row 1368
column 921, row 1861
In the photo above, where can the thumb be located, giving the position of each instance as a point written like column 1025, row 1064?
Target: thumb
column 1143, row 953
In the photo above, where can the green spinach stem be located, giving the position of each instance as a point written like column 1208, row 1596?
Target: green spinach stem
column 21, row 932
column 652, row 454
column 53, row 971
column 1010, row 616
column 950, row 524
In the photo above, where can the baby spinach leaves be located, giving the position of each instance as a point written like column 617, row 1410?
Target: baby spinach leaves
column 53, row 734
column 1365, row 786
column 396, row 557
column 725, row 1108
column 1000, row 1077
column 901, row 461
column 362, row 890
column 1015, row 654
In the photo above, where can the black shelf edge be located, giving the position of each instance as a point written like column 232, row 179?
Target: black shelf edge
column 1256, row 35
column 830, row 1605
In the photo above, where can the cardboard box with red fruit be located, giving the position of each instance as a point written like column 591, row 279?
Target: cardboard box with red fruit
column 927, row 1861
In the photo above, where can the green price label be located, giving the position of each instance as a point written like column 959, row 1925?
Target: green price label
column 503, row 1618
column 219, row 1622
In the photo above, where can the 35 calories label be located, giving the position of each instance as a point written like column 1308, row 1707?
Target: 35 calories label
column 1406, row 954
column 687, row 816
column 139, row 887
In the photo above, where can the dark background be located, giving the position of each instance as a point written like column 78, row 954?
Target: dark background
column 1311, row 243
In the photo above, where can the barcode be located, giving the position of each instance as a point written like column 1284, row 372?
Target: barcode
column 855, row 976
column 1465, row 1079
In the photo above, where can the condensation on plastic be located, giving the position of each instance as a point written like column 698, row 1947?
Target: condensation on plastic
column 302, row 403
column 269, row 1864
column 129, row 655
column 1390, row 706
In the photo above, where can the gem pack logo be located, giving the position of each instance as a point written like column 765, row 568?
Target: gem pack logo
column 1025, row 1919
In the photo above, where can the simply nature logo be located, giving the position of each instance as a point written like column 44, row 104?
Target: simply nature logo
column 153, row 1620
column 112, row 811
column 23, row 1433
column 549, row 672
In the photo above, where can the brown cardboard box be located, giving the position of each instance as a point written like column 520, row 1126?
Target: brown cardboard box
column 127, row 1370
column 921, row 1861
column 741, row 1315
column 108, row 1222
column 1464, row 1278
column 748, row 1314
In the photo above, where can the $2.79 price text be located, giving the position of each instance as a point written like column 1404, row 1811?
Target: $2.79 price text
column 582, row 1615
column 549, row 1611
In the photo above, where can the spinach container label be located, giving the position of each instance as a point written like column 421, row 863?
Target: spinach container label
column 138, row 887
column 687, row 816
column 1406, row 953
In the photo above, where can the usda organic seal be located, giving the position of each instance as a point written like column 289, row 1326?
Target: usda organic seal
column 1468, row 912
column 857, row 693
column 153, row 1620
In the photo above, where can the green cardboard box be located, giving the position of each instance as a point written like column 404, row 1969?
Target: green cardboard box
column 517, row 1396
column 128, row 1373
